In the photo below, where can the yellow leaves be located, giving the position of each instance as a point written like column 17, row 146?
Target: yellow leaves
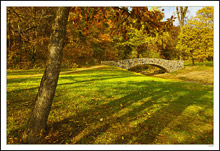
column 149, row 115
column 164, row 45
column 105, row 37
column 194, row 41
column 96, row 40
column 203, row 19
column 14, row 140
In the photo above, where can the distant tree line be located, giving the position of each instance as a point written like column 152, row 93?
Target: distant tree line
column 90, row 37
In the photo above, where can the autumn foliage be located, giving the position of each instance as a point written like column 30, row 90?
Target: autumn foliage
column 196, row 39
column 95, row 34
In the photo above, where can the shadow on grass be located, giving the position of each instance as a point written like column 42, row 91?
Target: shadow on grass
column 31, row 72
column 20, row 99
column 23, row 80
column 166, row 100
column 147, row 131
column 25, row 72
column 90, row 128
column 70, row 78
column 22, row 90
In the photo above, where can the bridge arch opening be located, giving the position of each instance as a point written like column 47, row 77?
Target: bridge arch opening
column 148, row 69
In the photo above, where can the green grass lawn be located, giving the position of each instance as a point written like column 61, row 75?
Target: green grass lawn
column 207, row 63
column 109, row 105
column 15, row 73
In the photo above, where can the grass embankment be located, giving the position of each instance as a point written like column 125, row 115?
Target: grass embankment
column 109, row 105
column 201, row 73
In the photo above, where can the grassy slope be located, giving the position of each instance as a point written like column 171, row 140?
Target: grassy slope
column 201, row 73
column 113, row 106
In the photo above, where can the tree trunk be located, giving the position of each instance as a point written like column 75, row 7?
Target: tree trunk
column 34, row 36
column 193, row 63
column 9, row 36
column 37, row 122
column 20, row 50
column 181, row 15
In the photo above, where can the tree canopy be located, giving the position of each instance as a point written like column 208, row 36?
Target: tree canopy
column 93, row 34
column 196, row 39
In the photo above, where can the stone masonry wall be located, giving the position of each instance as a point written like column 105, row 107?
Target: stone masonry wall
column 168, row 65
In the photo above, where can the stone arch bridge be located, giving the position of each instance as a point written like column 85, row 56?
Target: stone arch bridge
column 167, row 65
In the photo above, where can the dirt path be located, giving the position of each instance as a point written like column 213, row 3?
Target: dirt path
column 64, row 72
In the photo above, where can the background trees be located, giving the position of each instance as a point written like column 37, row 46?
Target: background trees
column 28, row 31
column 95, row 34
column 196, row 39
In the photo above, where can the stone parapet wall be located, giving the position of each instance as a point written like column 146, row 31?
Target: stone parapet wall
column 168, row 65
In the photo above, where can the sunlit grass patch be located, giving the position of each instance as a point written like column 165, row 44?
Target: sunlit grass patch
column 108, row 105
column 206, row 63
column 201, row 73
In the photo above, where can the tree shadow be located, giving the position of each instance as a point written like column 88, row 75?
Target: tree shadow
column 145, row 132
column 22, row 80
column 86, row 126
column 22, row 90
column 149, row 129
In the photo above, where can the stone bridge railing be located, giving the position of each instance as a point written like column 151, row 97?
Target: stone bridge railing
column 167, row 65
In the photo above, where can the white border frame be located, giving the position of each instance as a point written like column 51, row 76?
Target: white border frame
column 4, row 4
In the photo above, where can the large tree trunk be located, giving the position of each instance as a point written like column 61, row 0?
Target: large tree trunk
column 38, row 119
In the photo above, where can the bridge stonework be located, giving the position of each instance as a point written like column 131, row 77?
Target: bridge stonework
column 168, row 65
